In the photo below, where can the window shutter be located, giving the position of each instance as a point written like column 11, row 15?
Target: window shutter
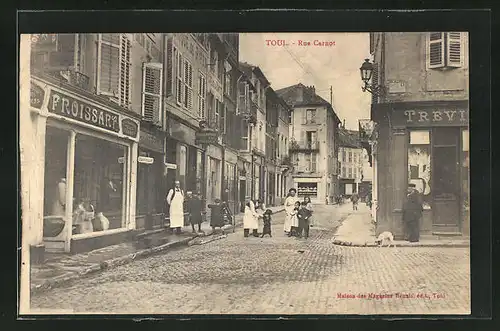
column 152, row 92
column 201, row 95
column 304, row 116
column 454, row 49
column 189, row 85
column 170, row 68
column 435, row 50
column 313, row 162
column 108, row 62
column 179, row 74
column 125, row 64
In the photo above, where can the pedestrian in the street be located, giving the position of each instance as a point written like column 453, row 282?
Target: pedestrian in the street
column 194, row 208
column 294, row 228
column 309, row 207
column 412, row 213
column 267, row 219
column 355, row 200
column 260, row 209
column 290, row 201
column 250, row 217
column 175, row 199
column 303, row 215
column 216, row 215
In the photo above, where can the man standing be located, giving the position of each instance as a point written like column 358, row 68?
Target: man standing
column 175, row 199
column 412, row 212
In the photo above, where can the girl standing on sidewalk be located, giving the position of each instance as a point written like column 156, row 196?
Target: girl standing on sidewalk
column 290, row 201
column 309, row 207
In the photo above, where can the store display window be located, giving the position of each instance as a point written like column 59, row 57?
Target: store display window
column 419, row 164
column 307, row 189
column 99, row 192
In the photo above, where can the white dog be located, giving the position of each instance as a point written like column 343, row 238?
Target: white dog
column 385, row 237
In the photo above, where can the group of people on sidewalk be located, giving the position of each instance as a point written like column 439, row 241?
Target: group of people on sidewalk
column 298, row 215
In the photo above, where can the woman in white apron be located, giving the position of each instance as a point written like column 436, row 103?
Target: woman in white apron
column 250, row 218
column 290, row 201
column 175, row 199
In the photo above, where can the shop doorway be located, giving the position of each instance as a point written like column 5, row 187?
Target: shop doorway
column 446, row 179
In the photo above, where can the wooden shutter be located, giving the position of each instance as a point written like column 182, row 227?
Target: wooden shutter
column 222, row 118
column 454, row 49
column 202, row 91
column 179, row 80
column 313, row 162
column 170, row 68
column 242, row 88
column 435, row 50
column 304, row 116
column 108, row 62
column 125, row 63
column 189, row 85
column 152, row 92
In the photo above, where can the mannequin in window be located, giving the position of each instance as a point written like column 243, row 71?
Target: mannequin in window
column 58, row 207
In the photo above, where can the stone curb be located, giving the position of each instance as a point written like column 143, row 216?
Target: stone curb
column 65, row 278
column 58, row 281
column 367, row 244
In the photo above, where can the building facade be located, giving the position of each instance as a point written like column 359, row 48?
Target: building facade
column 255, row 150
column 313, row 143
column 84, row 129
column 422, row 119
column 351, row 162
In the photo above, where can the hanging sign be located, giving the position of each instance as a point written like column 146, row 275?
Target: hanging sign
column 206, row 137
column 145, row 160
column 129, row 128
column 81, row 111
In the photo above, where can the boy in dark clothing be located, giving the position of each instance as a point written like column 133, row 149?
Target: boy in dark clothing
column 216, row 217
column 194, row 208
column 267, row 223
column 303, row 215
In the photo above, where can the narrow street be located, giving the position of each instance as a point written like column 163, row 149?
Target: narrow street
column 278, row 275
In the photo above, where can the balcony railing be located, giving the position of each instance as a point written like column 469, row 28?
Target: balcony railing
column 304, row 145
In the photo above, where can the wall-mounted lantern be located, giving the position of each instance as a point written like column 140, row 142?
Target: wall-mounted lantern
column 366, row 70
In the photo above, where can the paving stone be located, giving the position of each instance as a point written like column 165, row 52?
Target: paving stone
column 239, row 275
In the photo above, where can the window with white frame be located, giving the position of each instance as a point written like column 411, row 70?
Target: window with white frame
column 246, row 135
column 152, row 92
column 202, row 92
column 445, row 50
column 217, row 113
column 113, row 66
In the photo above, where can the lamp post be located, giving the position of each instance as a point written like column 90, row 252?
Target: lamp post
column 366, row 71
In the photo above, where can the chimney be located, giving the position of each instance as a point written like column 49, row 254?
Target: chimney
column 343, row 125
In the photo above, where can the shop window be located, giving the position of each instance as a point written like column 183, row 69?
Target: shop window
column 56, row 147
column 419, row 164
column 307, row 189
column 99, row 187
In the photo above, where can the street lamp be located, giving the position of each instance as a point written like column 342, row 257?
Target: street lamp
column 366, row 71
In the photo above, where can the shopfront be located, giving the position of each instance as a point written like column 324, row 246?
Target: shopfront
column 434, row 139
column 151, row 179
column 231, row 180
column 90, row 151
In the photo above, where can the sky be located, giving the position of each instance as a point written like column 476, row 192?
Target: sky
column 336, row 65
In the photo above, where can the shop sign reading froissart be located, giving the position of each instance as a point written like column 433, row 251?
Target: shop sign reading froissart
column 78, row 110
column 431, row 117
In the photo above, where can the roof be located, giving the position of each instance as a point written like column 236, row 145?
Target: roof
column 349, row 138
column 248, row 68
column 308, row 97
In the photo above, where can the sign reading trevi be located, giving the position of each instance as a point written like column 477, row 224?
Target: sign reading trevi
column 67, row 106
column 431, row 117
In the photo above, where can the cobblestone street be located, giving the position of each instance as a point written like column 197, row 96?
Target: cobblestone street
column 278, row 275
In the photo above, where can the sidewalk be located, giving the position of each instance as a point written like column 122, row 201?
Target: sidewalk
column 63, row 268
column 358, row 230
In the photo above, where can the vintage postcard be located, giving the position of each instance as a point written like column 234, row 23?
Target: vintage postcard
column 245, row 173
